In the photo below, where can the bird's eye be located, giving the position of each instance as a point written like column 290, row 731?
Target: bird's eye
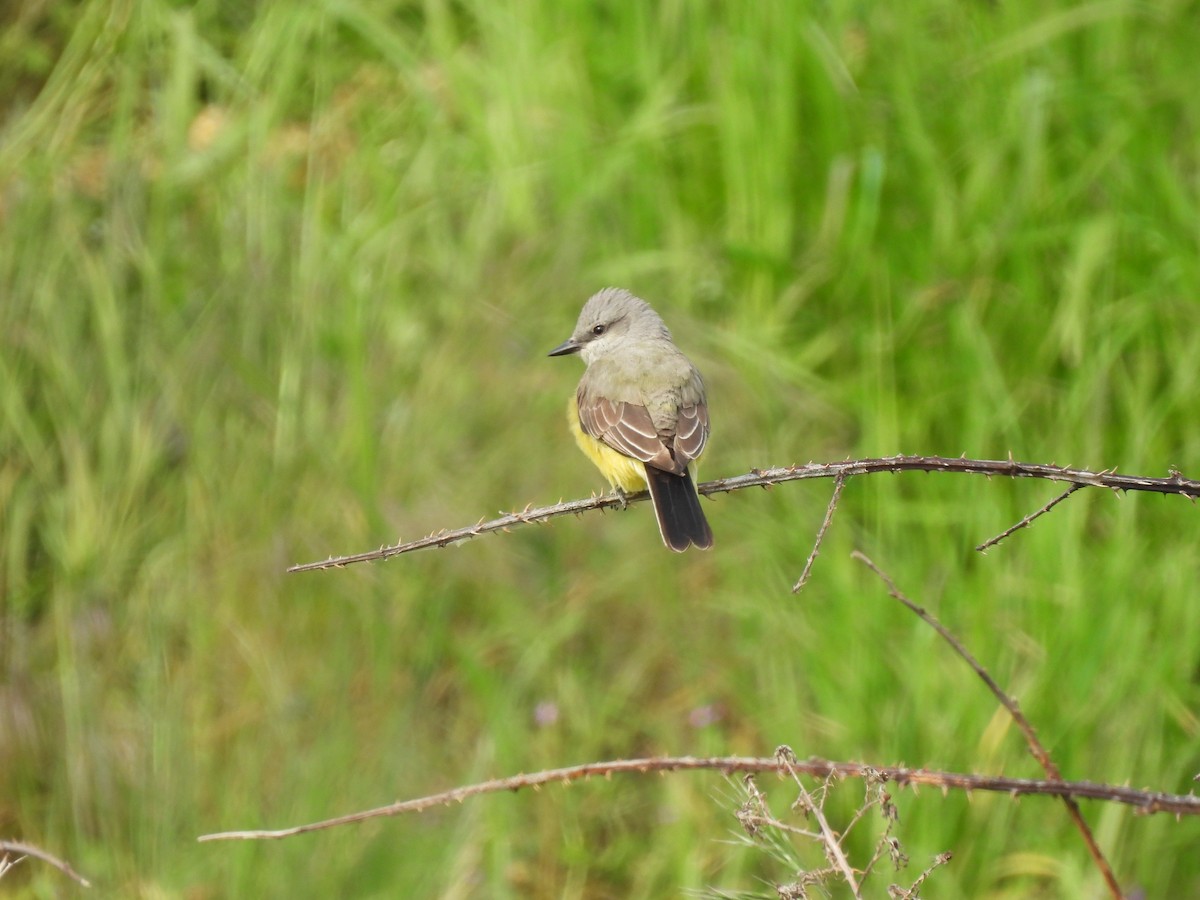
column 598, row 330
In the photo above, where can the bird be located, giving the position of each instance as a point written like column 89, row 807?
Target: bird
column 640, row 413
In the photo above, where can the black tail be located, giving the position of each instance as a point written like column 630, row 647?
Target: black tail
column 681, row 521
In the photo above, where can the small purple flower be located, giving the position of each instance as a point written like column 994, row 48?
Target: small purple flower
column 704, row 716
column 545, row 714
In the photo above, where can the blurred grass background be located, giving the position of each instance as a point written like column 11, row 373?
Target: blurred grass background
column 277, row 281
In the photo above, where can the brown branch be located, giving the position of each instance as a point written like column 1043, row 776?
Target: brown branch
column 875, row 796
column 914, row 891
column 48, row 858
column 1143, row 801
column 1028, row 520
column 832, row 843
column 838, row 484
column 755, row 816
column 1035, row 746
column 1174, row 484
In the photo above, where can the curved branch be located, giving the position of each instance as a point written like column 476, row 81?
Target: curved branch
column 1176, row 483
column 1036, row 747
column 1144, row 802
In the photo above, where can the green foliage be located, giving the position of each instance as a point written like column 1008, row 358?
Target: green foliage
column 277, row 281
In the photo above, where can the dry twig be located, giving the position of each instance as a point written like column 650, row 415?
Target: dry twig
column 1174, row 484
column 829, row 839
column 1035, row 746
column 38, row 853
column 914, row 890
column 1028, row 520
column 838, row 484
column 1142, row 801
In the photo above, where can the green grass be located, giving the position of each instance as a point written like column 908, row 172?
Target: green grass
column 277, row 281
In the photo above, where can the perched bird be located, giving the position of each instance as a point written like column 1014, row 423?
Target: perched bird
column 640, row 413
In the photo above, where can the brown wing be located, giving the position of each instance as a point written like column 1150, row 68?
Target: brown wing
column 628, row 429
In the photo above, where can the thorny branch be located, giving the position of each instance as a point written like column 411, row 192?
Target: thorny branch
column 1143, row 801
column 1028, row 520
column 1175, row 483
column 1036, row 747
column 838, row 484
column 1077, row 479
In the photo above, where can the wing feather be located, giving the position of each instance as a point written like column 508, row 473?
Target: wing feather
column 691, row 432
column 628, row 429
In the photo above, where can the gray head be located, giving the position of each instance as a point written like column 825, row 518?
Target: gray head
column 612, row 317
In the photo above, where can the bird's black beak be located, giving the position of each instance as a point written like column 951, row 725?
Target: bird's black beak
column 566, row 347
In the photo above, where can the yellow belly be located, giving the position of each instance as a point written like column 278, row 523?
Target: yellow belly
column 621, row 471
